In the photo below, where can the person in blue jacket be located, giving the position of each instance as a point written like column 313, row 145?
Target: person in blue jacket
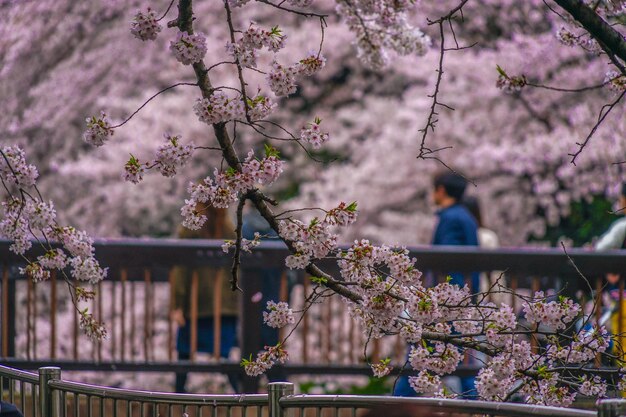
column 456, row 227
column 9, row 410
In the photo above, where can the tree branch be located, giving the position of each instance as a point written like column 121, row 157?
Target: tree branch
column 611, row 41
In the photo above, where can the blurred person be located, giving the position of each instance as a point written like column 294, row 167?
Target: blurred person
column 217, row 226
column 487, row 239
column 615, row 238
column 9, row 410
column 270, row 278
column 456, row 227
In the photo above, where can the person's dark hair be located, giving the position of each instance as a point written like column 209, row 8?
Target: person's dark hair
column 624, row 189
column 453, row 183
column 472, row 205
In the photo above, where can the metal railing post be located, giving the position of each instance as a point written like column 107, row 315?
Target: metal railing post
column 611, row 407
column 275, row 391
column 46, row 374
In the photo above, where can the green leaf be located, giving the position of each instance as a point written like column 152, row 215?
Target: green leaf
column 319, row 280
column 271, row 151
column 245, row 361
column 501, row 71
column 133, row 161
column 351, row 207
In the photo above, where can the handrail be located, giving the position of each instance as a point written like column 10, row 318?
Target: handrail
column 215, row 400
column 131, row 252
column 443, row 404
column 225, row 367
column 18, row 374
column 280, row 399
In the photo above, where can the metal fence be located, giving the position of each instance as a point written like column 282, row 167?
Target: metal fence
column 141, row 336
column 51, row 396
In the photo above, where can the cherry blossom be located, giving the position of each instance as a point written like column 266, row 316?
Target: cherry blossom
column 278, row 314
column 382, row 368
column 189, row 49
column 145, row 26
column 98, row 130
column 14, row 168
column 313, row 134
column 282, row 80
column 172, row 155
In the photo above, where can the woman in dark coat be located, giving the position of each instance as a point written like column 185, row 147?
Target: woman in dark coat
column 213, row 285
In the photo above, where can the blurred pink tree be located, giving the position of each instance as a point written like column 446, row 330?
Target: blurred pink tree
column 515, row 146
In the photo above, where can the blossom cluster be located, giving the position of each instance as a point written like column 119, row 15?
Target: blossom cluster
column 278, row 314
column 568, row 37
column 246, row 244
column 254, row 39
column 313, row 134
column 382, row 26
column 225, row 187
column 219, row 108
column 133, row 170
column 495, row 381
column 170, row 156
column 282, row 78
column 616, row 81
column 98, row 130
column 315, row 240
column 265, row 360
column 510, row 84
column 427, row 383
column 382, row 368
column 441, row 359
column 547, row 391
column 554, row 314
column 14, row 169
column 27, row 219
column 592, row 386
column 394, row 301
column 145, row 26
column 189, row 48
column 585, row 345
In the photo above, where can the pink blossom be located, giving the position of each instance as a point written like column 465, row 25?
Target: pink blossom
column 189, row 49
column 145, row 26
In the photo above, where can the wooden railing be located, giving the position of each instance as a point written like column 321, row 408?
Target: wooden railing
column 135, row 301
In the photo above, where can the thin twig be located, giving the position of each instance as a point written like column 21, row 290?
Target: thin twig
column 149, row 100
column 604, row 112
column 166, row 11
column 234, row 279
